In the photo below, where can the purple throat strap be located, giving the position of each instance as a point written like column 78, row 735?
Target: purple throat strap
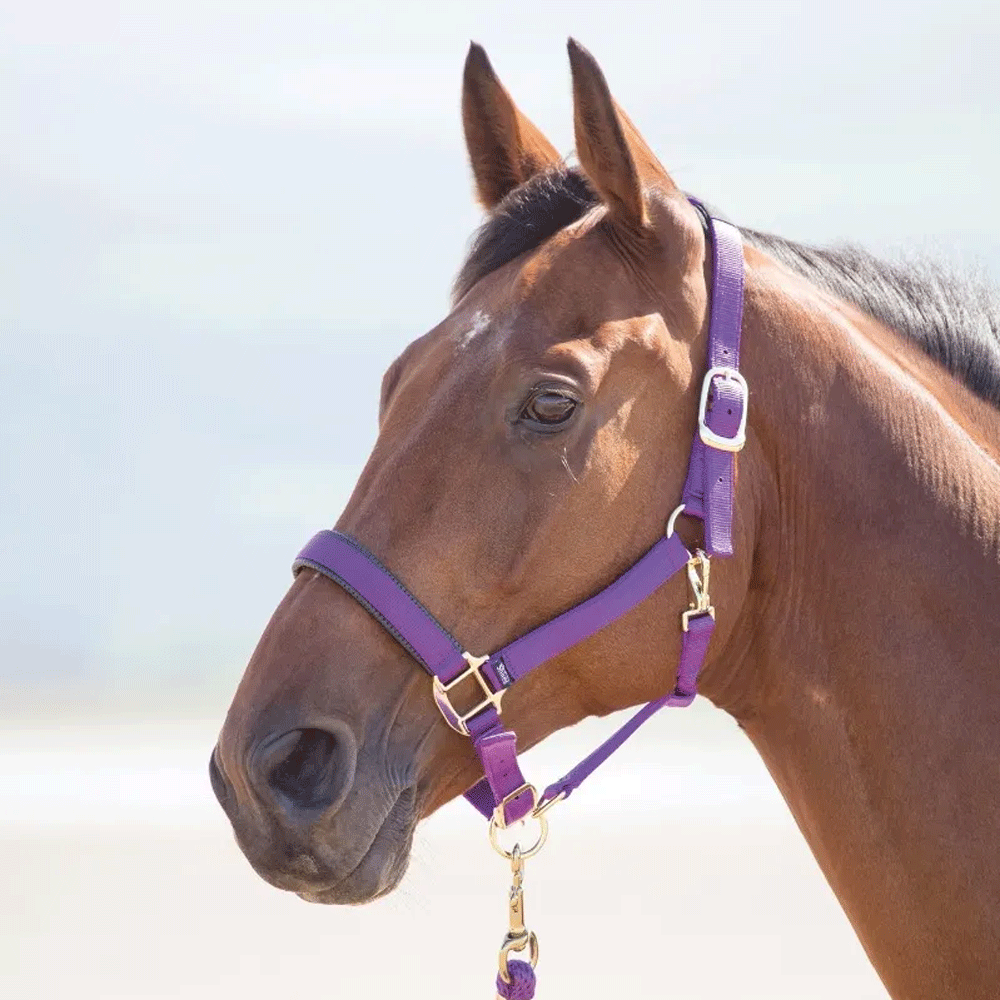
column 503, row 793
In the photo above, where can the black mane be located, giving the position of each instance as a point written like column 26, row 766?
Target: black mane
column 952, row 319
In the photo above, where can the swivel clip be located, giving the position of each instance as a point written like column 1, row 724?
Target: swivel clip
column 518, row 937
column 698, row 571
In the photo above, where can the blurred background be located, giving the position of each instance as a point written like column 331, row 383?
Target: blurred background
column 202, row 206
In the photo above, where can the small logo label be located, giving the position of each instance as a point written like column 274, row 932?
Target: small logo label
column 501, row 671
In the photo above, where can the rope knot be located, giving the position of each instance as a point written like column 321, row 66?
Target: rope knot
column 522, row 981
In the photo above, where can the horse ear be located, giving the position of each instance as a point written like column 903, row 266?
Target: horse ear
column 612, row 153
column 505, row 148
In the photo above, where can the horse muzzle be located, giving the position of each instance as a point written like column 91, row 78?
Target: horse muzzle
column 308, row 825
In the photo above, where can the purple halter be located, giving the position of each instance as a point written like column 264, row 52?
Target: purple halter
column 503, row 793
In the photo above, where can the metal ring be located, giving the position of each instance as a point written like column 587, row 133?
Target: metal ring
column 525, row 852
column 673, row 519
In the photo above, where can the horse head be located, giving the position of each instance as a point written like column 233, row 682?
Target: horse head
column 531, row 447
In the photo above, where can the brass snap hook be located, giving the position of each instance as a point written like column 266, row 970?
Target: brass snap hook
column 518, row 937
column 699, row 568
column 529, row 941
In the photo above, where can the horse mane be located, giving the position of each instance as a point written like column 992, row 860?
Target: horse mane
column 949, row 316
column 952, row 318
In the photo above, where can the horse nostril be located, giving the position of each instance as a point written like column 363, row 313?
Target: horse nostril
column 309, row 769
column 219, row 784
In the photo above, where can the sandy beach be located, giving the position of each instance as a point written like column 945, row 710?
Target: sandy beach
column 677, row 873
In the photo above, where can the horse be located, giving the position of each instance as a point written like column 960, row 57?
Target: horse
column 531, row 447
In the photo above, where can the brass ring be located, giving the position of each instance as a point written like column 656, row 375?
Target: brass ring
column 525, row 852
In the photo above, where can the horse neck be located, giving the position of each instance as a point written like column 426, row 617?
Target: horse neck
column 873, row 661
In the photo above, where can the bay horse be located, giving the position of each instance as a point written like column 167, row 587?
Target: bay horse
column 531, row 447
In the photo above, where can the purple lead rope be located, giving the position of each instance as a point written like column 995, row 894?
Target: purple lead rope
column 503, row 794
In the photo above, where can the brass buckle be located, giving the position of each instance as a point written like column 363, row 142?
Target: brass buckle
column 540, row 810
column 713, row 440
column 698, row 569
column 491, row 697
column 499, row 816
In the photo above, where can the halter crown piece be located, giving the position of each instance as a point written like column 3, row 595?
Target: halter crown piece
column 503, row 795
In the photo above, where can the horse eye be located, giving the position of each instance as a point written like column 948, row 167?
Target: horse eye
column 547, row 410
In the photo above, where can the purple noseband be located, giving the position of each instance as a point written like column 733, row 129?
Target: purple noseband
column 708, row 494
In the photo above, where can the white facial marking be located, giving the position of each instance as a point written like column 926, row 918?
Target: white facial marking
column 479, row 324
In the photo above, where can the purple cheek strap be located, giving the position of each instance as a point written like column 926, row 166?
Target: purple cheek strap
column 479, row 683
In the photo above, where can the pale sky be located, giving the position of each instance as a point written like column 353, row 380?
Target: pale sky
column 222, row 220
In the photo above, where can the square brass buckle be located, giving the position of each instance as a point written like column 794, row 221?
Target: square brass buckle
column 500, row 812
column 457, row 720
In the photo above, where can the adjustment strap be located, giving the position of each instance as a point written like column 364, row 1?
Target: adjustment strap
column 694, row 646
column 708, row 490
column 507, row 787
column 520, row 657
column 503, row 784
column 480, row 797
